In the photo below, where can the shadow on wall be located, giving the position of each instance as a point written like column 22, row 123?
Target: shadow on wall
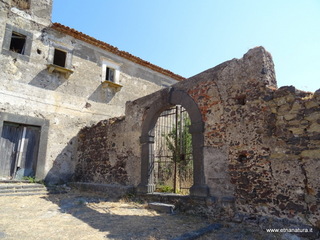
column 55, row 80
column 102, row 94
column 63, row 166
column 48, row 81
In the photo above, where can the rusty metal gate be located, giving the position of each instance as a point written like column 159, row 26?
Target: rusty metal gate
column 19, row 146
column 173, row 164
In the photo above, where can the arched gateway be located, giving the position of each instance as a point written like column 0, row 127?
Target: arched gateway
column 170, row 97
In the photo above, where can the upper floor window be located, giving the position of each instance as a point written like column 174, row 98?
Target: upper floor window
column 59, row 57
column 110, row 70
column 110, row 74
column 17, row 43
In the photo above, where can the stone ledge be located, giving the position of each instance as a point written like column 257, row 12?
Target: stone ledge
column 108, row 190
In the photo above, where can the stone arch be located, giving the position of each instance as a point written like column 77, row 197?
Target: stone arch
column 170, row 97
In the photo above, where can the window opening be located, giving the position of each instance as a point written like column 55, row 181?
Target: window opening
column 173, row 162
column 59, row 58
column 18, row 43
column 110, row 74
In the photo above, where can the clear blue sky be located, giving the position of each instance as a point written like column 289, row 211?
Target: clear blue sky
column 190, row 36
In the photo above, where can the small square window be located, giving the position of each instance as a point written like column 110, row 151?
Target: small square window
column 110, row 74
column 59, row 58
column 18, row 43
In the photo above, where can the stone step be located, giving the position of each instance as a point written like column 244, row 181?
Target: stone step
column 20, row 186
column 161, row 207
column 22, row 189
column 23, row 193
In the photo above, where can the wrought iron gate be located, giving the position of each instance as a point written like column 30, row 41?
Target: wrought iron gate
column 173, row 164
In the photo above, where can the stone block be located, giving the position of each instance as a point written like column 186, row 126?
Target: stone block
column 311, row 104
column 296, row 131
column 315, row 127
column 161, row 207
column 296, row 106
column 313, row 117
column 289, row 116
column 314, row 154
column 283, row 109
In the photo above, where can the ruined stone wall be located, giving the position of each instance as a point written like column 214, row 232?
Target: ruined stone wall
column 98, row 162
column 69, row 104
column 261, row 144
column 106, row 155
column 109, row 152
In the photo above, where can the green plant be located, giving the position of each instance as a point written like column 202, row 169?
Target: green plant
column 179, row 142
column 33, row 180
column 165, row 188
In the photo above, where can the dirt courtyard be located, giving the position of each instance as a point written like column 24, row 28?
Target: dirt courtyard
column 78, row 216
column 82, row 217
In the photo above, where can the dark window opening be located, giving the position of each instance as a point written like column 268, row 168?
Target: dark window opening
column 21, row 4
column 59, row 58
column 110, row 74
column 18, row 43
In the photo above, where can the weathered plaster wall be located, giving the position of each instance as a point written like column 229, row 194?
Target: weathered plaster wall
column 261, row 144
column 28, row 89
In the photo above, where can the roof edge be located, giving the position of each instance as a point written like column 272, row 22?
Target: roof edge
column 105, row 46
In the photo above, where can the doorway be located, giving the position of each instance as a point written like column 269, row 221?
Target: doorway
column 167, row 98
column 173, row 161
column 19, row 146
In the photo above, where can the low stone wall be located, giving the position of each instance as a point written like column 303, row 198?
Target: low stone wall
column 97, row 161
column 111, row 191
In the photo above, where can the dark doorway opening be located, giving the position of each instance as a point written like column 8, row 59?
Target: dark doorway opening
column 173, row 161
column 19, row 145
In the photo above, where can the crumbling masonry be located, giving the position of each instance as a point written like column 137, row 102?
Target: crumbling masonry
column 252, row 142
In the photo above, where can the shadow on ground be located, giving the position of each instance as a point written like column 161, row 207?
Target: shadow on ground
column 125, row 220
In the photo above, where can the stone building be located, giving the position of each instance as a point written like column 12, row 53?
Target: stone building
column 55, row 81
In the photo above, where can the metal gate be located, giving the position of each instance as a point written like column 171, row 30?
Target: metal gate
column 19, row 146
column 173, row 164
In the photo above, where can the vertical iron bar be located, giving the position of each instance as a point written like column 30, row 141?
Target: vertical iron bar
column 176, row 152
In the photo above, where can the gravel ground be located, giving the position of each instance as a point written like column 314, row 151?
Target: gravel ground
column 79, row 216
